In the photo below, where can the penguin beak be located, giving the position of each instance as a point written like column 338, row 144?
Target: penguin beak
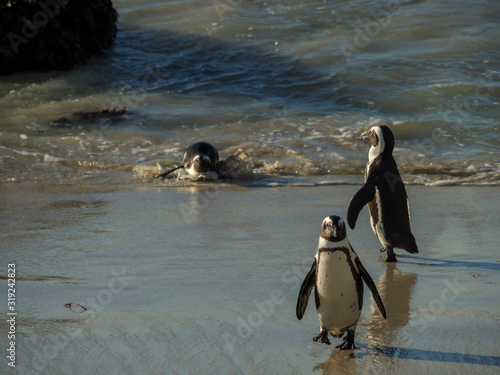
column 366, row 135
column 336, row 232
column 332, row 229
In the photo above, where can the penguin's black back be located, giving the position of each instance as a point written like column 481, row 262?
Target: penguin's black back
column 394, row 202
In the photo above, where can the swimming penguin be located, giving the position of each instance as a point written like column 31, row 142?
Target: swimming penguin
column 385, row 194
column 200, row 160
column 337, row 275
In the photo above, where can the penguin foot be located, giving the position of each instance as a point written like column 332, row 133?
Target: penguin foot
column 322, row 338
column 391, row 256
column 348, row 343
column 346, row 346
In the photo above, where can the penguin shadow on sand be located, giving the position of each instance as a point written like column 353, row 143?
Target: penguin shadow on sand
column 395, row 289
column 450, row 263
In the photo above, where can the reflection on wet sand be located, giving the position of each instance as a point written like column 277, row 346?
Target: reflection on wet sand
column 340, row 362
column 194, row 210
column 395, row 289
column 385, row 337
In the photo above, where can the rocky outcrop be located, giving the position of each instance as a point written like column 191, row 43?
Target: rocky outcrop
column 41, row 35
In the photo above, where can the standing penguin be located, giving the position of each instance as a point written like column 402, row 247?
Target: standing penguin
column 337, row 275
column 200, row 159
column 385, row 194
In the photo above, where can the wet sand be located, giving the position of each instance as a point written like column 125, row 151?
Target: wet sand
column 178, row 279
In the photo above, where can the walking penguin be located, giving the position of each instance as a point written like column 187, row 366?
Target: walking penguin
column 337, row 276
column 385, row 194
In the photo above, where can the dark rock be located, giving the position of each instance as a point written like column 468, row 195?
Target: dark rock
column 46, row 35
column 104, row 116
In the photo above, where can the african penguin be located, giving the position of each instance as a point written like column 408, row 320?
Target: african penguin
column 385, row 194
column 337, row 275
column 200, row 161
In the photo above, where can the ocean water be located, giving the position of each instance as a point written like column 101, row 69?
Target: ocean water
column 291, row 83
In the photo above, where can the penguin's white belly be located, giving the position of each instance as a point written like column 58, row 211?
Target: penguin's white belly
column 336, row 287
column 378, row 224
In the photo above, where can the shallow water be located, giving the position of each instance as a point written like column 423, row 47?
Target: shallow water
column 289, row 82
column 181, row 278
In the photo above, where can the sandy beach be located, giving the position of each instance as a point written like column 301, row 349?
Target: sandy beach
column 178, row 279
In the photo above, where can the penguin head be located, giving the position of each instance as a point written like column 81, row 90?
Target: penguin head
column 200, row 157
column 381, row 140
column 333, row 229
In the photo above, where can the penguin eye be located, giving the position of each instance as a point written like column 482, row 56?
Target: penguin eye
column 329, row 224
column 197, row 157
column 341, row 224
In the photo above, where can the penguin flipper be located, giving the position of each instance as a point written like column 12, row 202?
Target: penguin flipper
column 360, row 199
column 305, row 291
column 163, row 175
column 371, row 285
